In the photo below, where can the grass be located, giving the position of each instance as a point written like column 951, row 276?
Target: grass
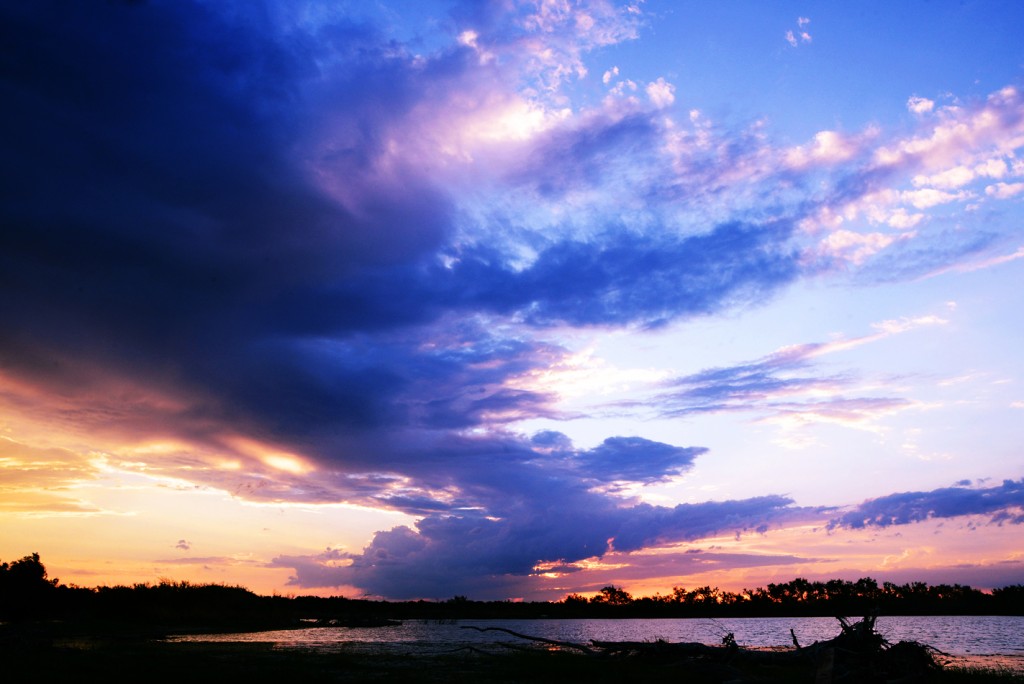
column 996, row 675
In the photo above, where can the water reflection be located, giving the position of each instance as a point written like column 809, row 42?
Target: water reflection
column 988, row 640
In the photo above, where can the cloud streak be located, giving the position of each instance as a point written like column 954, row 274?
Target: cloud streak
column 1001, row 504
column 787, row 384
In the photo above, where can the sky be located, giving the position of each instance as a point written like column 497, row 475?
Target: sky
column 512, row 299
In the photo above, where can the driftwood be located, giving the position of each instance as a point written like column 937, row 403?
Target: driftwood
column 857, row 654
column 550, row 642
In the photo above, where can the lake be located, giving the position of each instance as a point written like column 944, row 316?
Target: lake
column 988, row 640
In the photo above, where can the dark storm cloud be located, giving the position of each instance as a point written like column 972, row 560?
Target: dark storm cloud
column 627, row 278
column 153, row 213
column 496, row 473
column 614, row 279
column 520, row 503
column 162, row 222
column 1002, row 504
column 492, row 554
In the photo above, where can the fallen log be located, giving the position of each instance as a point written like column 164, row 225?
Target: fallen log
column 857, row 654
column 550, row 642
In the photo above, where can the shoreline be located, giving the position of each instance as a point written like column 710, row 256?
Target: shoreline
column 126, row 652
column 117, row 660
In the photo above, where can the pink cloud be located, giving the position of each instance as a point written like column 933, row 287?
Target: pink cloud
column 661, row 93
column 1004, row 190
column 920, row 105
column 930, row 197
column 801, row 35
column 962, row 135
column 852, row 247
column 956, row 177
column 828, row 147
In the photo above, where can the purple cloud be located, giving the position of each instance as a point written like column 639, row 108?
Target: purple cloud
column 519, row 504
column 634, row 459
column 494, row 554
column 782, row 383
column 746, row 386
column 1002, row 504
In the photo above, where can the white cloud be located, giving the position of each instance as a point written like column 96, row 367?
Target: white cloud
column 944, row 163
column 930, row 197
column 900, row 325
column 961, row 175
column 920, row 105
column 827, row 147
column 609, row 75
column 854, row 247
column 901, row 220
column 993, row 168
column 470, row 39
column 1004, row 190
column 795, row 39
column 661, row 92
column 964, row 136
column 558, row 34
column 956, row 177
column 621, row 87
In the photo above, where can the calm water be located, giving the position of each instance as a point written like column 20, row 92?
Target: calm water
column 976, row 640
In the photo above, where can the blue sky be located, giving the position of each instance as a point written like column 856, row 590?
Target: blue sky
column 512, row 299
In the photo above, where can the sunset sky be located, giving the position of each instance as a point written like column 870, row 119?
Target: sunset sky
column 512, row 299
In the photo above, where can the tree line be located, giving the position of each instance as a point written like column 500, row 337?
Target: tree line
column 27, row 593
column 802, row 597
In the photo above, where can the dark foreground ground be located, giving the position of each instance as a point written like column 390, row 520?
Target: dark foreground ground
column 121, row 658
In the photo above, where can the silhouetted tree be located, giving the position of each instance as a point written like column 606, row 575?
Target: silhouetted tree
column 612, row 596
column 1009, row 600
column 25, row 590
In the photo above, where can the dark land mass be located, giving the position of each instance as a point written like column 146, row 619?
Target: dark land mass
column 40, row 653
column 27, row 593
column 53, row 632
